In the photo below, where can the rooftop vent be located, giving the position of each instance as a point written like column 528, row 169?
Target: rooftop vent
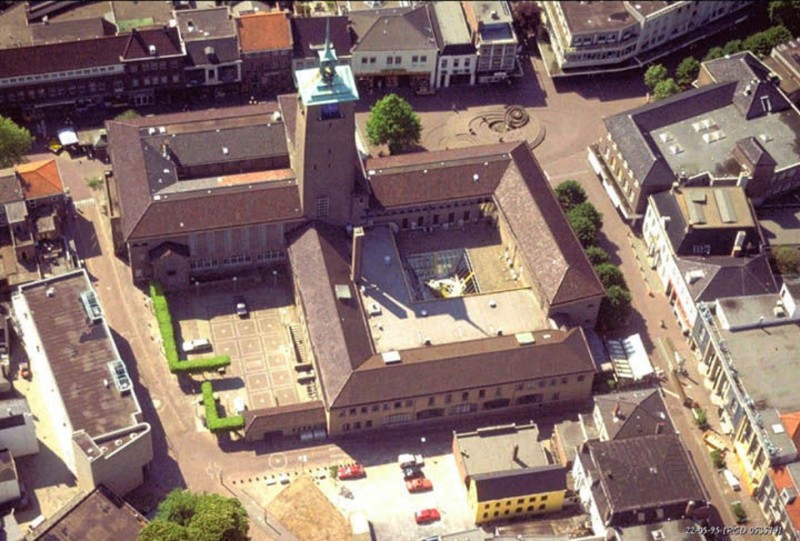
column 765, row 138
column 476, row 177
column 120, row 375
column 391, row 357
column 694, row 276
column 665, row 137
column 225, row 151
column 779, row 311
column 151, row 131
column 788, row 495
column 525, row 338
column 675, row 149
column 152, row 49
column 657, row 535
column 276, row 116
column 50, row 292
column 91, row 306
column 343, row 292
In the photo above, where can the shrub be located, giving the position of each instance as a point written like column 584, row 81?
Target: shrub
column 717, row 459
column 217, row 424
column 596, row 255
column 739, row 512
column 700, row 417
column 714, row 53
column 165, row 327
column 665, row 89
column 654, row 75
column 732, row 47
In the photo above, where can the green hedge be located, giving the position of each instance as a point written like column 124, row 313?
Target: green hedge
column 176, row 366
column 213, row 420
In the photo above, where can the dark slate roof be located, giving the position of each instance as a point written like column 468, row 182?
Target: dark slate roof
column 8, row 471
column 225, row 50
column 167, row 248
column 138, row 169
column 71, row 30
column 729, row 276
column 634, row 413
column 450, row 28
column 630, row 130
column 512, row 484
column 309, row 35
column 510, row 174
column 395, row 29
column 10, row 189
column 203, row 24
column 755, row 152
column 87, row 53
column 753, row 82
column 320, row 261
column 641, row 473
column 288, row 108
column 275, row 418
column 433, row 370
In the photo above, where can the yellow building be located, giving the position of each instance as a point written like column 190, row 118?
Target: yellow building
column 508, row 473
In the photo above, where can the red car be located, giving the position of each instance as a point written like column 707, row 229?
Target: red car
column 353, row 471
column 420, row 484
column 427, row 515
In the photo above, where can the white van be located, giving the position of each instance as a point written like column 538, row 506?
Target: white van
column 198, row 344
column 732, row 480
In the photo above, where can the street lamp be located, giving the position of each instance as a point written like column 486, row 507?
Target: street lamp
column 274, row 278
column 234, row 284
column 303, row 459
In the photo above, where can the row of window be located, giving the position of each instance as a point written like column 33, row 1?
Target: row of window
column 57, row 91
column 155, row 65
column 518, row 510
column 155, row 80
column 239, row 259
column 61, row 75
column 395, row 60
column 520, row 501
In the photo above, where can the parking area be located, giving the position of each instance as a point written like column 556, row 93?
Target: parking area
column 261, row 374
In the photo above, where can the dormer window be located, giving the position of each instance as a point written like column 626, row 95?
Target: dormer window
column 765, row 104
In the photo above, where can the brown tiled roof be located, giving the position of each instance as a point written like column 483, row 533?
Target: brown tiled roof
column 10, row 190
column 276, row 418
column 634, row 413
column 71, row 30
column 394, row 29
column 264, row 32
column 288, row 108
column 308, row 34
column 166, row 41
column 433, row 370
column 40, row 179
column 782, row 479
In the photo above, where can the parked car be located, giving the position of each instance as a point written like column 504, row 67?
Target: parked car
column 241, row 307
column 419, row 484
column 353, row 471
column 198, row 344
column 412, row 473
column 427, row 515
column 409, row 460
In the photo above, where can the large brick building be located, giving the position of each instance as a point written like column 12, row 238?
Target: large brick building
column 410, row 273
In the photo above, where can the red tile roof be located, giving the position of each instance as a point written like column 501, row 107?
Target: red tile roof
column 791, row 422
column 40, row 179
column 264, row 31
column 782, row 479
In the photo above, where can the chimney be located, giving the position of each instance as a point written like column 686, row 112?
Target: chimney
column 165, row 150
column 616, row 410
column 516, row 451
column 738, row 244
column 358, row 254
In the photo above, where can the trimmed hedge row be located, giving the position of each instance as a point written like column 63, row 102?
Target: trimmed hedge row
column 176, row 366
column 216, row 423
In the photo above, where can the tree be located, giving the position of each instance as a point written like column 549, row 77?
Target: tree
column 654, row 75
column 185, row 516
column 777, row 35
column 584, row 230
column 94, row 183
column 665, row 89
column 392, row 121
column 570, row 193
column 614, row 309
column 714, row 53
column 787, row 260
column 127, row 114
column 161, row 530
column 15, row 141
column 761, row 43
column 732, row 47
column 527, row 17
column 785, row 12
column 687, row 71
column 587, row 210
column 610, row 275
column 596, row 255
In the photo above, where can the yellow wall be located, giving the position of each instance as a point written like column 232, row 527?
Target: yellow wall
column 529, row 504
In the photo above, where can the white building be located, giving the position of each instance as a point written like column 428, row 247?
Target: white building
column 458, row 59
column 100, row 431
column 9, row 481
column 17, row 431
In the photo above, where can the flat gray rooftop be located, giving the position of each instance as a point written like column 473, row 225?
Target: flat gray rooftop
column 490, row 450
column 452, row 24
column 780, row 225
column 397, row 322
column 78, row 353
column 695, row 155
column 742, row 312
column 596, row 16
column 768, row 361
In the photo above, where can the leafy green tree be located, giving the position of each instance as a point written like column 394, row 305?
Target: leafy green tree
column 185, row 516
column 527, row 17
column 785, row 12
column 161, row 530
column 777, row 35
column 761, row 43
column 15, row 141
column 687, row 71
column 665, row 89
column 732, row 47
column 570, row 193
column 218, row 519
column 614, row 309
column 787, row 260
column 610, row 275
column 714, row 53
column 584, row 230
column 589, row 211
column 127, row 114
column 654, row 75
column 392, row 121
column 596, row 255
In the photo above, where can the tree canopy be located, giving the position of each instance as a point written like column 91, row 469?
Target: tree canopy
column 588, row 211
column 714, row 53
column 570, row 193
column 654, row 75
column 732, row 47
column 393, row 122
column 15, row 141
column 614, row 309
column 185, row 516
column 584, row 230
column 596, row 255
column 665, row 89
column 527, row 17
column 127, row 114
column 787, row 260
column 761, row 43
column 785, row 12
column 610, row 275
column 687, row 71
